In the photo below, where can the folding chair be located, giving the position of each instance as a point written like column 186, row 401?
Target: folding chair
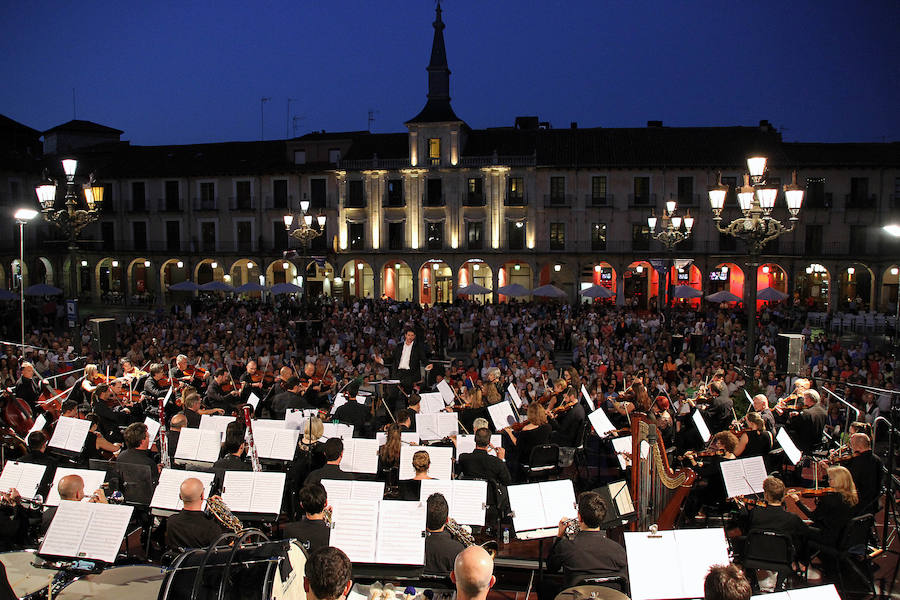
column 543, row 462
column 770, row 551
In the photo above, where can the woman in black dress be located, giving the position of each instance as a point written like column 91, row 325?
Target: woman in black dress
column 755, row 440
column 535, row 432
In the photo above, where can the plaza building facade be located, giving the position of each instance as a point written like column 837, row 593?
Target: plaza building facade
column 416, row 215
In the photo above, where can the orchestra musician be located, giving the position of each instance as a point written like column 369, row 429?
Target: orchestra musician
column 535, row 432
column 440, row 547
column 97, row 446
column 755, row 440
column 709, row 489
column 183, row 373
column 568, row 424
column 719, row 413
column 194, row 409
column 217, row 397
column 311, row 531
column 137, row 452
column 493, row 393
column 726, row 582
column 155, row 386
column 313, row 390
column 410, row 489
column 783, row 406
column 129, row 370
column 328, row 575
column 173, row 432
column 866, row 470
column 29, row 388
column 251, row 382
column 591, row 553
column 70, row 487
column 389, row 455
column 233, row 449
column 109, row 419
column 334, row 452
column 481, row 464
column 289, row 398
column 191, row 528
column 13, row 521
column 807, row 427
column 408, row 359
column 356, row 414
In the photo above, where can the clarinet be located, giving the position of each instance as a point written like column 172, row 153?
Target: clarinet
column 163, row 437
column 254, row 457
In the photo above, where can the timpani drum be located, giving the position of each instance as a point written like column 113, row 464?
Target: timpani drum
column 134, row 582
column 22, row 575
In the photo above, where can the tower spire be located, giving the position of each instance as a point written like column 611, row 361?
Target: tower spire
column 437, row 107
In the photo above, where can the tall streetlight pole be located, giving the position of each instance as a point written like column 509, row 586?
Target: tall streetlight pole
column 22, row 216
column 670, row 235
column 894, row 230
column 306, row 231
column 757, row 227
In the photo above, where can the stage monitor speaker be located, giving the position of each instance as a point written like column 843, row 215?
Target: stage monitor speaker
column 103, row 334
column 789, row 353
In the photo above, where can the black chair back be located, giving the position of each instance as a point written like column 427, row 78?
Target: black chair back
column 768, row 550
column 544, row 457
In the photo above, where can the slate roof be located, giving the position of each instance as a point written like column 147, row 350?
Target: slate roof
column 77, row 125
column 848, row 154
column 436, row 111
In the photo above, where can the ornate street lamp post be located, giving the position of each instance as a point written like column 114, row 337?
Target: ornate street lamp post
column 670, row 235
column 306, row 231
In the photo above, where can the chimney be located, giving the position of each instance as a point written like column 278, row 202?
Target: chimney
column 654, row 123
column 573, row 125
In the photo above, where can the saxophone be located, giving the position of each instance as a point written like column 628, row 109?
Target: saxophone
column 223, row 514
column 463, row 535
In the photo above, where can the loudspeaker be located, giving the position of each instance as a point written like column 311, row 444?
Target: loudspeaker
column 103, row 334
column 789, row 353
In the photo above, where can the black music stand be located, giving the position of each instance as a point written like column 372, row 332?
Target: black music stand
column 135, row 483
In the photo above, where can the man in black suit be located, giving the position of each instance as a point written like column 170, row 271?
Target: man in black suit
column 440, row 547
column 590, row 554
column 216, row 397
column 233, row 450
column 866, row 470
column 334, row 452
column 312, row 532
column 479, row 464
column 191, row 528
column 134, row 486
column 290, row 398
column 568, row 427
column 408, row 359
column 807, row 427
column 719, row 413
column 353, row 413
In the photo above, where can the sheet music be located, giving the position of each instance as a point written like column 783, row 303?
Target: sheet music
column 441, row 461
column 701, row 425
column 216, row 423
column 528, row 512
column 39, row 423
column 168, row 396
column 345, row 489
column 618, row 491
column 152, row 428
column 600, row 421
column 466, row 444
column 278, row 444
column 431, row 403
column 466, row 498
column 360, row 456
column 790, row 448
column 199, row 445
column 336, row 430
column 253, row 400
column 436, row 426
column 587, row 398
column 269, row 424
column 339, row 401
column 253, row 492
column 87, row 530
column 744, row 476
column 514, row 394
column 673, row 565
column 446, row 392
column 622, row 445
column 92, row 482
column 24, row 477
column 295, row 418
column 338, row 489
column 501, row 415
column 167, row 492
column 558, row 498
column 70, row 434
column 406, row 437
column 355, row 528
column 400, row 527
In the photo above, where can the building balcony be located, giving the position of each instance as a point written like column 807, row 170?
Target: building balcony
column 860, row 202
column 369, row 164
column 691, row 200
column 205, row 203
column 648, row 200
column 434, row 202
column 472, row 199
column 278, row 203
column 592, row 200
column 559, row 200
column 498, row 160
column 242, row 202
column 356, row 202
column 393, row 202
column 169, row 205
column 137, row 206
column 515, row 200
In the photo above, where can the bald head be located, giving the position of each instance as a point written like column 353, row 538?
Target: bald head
column 71, row 487
column 860, row 442
column 760, row 402
column 473, row 573
column 178, row 421
column 191, row 493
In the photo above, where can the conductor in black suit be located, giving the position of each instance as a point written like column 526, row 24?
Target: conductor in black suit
column 408, row 359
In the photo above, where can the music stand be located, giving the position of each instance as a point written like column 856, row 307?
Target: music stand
column 136, row 483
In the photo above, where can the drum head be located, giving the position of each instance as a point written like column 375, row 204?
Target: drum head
column 23, row 577
column 288, row 584
column 139, row 582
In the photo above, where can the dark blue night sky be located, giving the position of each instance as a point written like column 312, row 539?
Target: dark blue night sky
column 187, row 72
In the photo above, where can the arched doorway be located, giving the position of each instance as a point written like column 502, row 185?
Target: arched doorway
column 602, row 274
column 207, row 270
column 727, row 277
column 138, row 275
column 641, row 285
column 514, row 272
column 478, row 272
column 435, row 282
column 110, row 276
column 319, row 279
column 357, row 280
column 856, row 286
column 244, row 271
column 44, row 271
column 689, row 276
column 813, row 287
column 890, row 285
column 171, row 272
column 397, row 283
column 281, row 271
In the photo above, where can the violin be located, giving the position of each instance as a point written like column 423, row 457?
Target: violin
column 192, row 371
column 810, row 492
column 704, row 453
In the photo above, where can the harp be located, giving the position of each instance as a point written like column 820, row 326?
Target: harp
column 658, row 491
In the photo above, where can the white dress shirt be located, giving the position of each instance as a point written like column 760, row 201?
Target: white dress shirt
column 404, row 356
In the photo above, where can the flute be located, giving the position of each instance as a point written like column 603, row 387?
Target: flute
column 163, row 438
column 254, row 457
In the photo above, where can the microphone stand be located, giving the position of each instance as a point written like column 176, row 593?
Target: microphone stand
column 844, row 402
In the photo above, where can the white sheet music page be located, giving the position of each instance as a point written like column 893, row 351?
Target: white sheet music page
column 698, row 550
column 337, row 489
column 253, row 400
column 400, row 528
column 654, row 566
column 105, row 531
column 39, row 423
column 790, row 448
column 587, row 398
column 24, row 477
column 70, row 434
column 406, row 437
column 367, row 490
column 284, row 445
column 514, row 394
column 437, row 486
column 188, row 442
column 558, row 498
column 441, row 461
column 217, row 423
column 67, row 529
column 501, row 415
column 360, row 456
column 263, row 438
column 465, row 444
column 268, row 491
column 469, row 498
column 152, row 427
column 237, row 490
column 447, row 424
column 622, row 446
column 336, row 430
column 167, row 492
column 446, row 392
column 701, row 425
column 601, row 423
column 209, row 447
column 431, row 403
column 92, row 481
column 355, row 528
column 528, row 510
column 427, row 427
column 743, row 476
column 618, row 491
column 260, row 424
column 820, row 592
